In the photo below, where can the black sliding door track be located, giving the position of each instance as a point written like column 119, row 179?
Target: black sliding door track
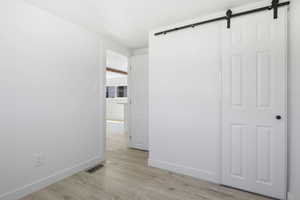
column 229, row 15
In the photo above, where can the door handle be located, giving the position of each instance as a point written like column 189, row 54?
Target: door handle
column 278, row 117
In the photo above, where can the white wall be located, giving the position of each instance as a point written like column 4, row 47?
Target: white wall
column 294, row 100
column 52, row 75
column 115, row 111
column 142, row 51
column 118, row 81
column 138, row 109
column 116, row 61
column 184, row 109
column 110, row 75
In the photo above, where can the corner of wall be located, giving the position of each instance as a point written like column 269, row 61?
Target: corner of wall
column 180, row 169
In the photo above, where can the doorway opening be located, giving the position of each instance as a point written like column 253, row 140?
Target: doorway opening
column 116, row 101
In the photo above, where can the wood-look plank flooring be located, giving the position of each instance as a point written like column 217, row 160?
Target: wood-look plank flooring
column 126, row 176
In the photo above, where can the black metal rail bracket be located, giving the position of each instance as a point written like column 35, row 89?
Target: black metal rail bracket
column 229, row 15
column 274, row 6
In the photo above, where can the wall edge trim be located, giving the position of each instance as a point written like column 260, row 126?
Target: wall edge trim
column 188, row 171
column 44, row 182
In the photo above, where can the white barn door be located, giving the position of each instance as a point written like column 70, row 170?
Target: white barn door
column 254, row 103
column 138, row 108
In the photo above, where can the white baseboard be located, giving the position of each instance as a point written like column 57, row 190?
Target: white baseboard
column 291, row 196
column 138, row 147
column 189, row 171
column 42, row 183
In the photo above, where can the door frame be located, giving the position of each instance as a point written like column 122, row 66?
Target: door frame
column 103, row 94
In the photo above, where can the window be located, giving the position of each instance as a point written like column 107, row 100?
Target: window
column 122, row 91
column 116, row 91
column 110, row 92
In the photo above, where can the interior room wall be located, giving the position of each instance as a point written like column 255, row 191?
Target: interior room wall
column 294, row 100
column 115, row 111
column 52, row 75
column 116, row 61
column 138, row 111
column 141, row 51
column 184, row 105
column 116, row 81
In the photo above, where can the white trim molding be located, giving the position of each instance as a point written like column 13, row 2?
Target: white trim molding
column 188, row 171
column 44, row 182
column 290, row 196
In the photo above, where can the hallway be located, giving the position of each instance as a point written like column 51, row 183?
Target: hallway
column 127, row 177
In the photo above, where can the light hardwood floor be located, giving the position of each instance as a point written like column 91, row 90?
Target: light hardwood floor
column 127, row 177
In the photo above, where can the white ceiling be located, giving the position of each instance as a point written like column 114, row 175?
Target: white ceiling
column 128, row 21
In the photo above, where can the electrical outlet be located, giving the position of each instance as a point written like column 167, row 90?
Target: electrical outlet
column 39, row 160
